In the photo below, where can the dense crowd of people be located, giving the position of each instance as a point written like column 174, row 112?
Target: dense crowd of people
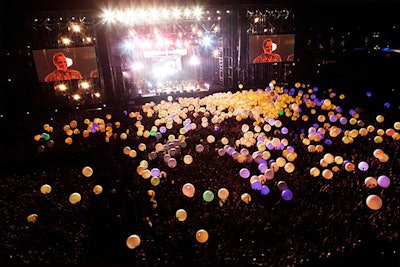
column 142, row 157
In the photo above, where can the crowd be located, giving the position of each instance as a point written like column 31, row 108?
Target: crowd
column 143, row 156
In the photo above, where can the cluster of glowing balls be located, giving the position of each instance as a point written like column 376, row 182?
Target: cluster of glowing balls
column 181, row 215
column 202, row 236
column 32, row 218
column 374, row 202
column 87, row 171
column 45, row 189
column 74, row 198
column 133, row 241
column 97, row 189
column 188, row 190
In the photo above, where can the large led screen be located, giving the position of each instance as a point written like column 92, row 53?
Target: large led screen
column 65, row 64
column 271, row 48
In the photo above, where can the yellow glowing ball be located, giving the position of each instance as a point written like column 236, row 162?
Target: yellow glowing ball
column 123, row 136
column 245, row 128
column 85, row 133
column 396, row 125
column 68, row 140
column 146, row 174
column 380, row 118
column 378, row 153
column 246, row 198
column 187, row 159
column 66, row 128
column 159, row 147
column 155, row 181
column 321, row 118
column 306, row 141
column 87, row 171
column 327, row 174
column 349, row 166
column 132, row 153
column 32, row 218
column 374, row 202
column 45, row 189
column 289, row 167
column 210, row 139
column 74, row 198
column 291, row 156
column 396, row 136
column 329, row 158
column 339, row 160
column 73, row 124
column 319, row 148
column 224, row 141
column 223, row 193
column 370, row 182
column 133, row 241
column 380, row 132
column 140, row 169
column 97, row 189
column 384, row 158
column 181, row 215
column 146, row 134
column 378, row 139
column 142, row 147
column 144, row 163
column 240, row 86
column 323, row 163
column 202, row 236
column 126, row 150
column 353, row 133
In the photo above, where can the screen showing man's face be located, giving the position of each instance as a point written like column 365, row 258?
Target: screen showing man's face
column 61, row 63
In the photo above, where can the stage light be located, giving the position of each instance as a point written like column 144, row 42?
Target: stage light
column 61, row 87
column 76, row 97
column 215, row 53
column 137, row 66
column 207, row 40
column 194, row 61
column 176, row 13
column 65, row 41
column 108, row 16
column 76, row 28
column 84, row 85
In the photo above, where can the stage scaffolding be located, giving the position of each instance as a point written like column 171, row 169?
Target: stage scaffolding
column 225, row 64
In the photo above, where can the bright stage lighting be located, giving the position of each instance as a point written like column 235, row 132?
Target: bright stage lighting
column 194, row 61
